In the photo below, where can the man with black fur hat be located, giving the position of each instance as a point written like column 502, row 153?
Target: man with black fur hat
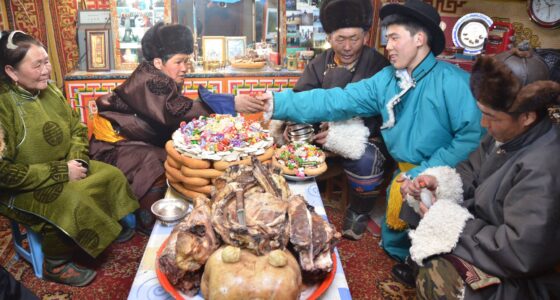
column 347, row 23
column 430, row 116
column 492, row 230
column 139, row 116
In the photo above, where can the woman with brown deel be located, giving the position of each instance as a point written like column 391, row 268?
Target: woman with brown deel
column 139, row 116
column 46, row 178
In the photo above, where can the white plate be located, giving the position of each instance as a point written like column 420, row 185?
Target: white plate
column 470, row 31
column 297, row 178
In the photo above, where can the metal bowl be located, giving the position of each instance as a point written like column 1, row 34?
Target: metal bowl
column 300, row 132
column 299, row 127
column 170, row 211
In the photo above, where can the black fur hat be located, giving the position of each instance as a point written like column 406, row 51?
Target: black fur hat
column 499, row 81
column 336, row 14
column 162, row 41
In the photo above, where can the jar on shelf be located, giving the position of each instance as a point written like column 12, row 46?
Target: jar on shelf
column 301, row 64
column 292, row 62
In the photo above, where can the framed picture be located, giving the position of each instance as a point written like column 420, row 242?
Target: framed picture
column 130, row 20
column 213, row 49
column 97, row 45
column 235, row 46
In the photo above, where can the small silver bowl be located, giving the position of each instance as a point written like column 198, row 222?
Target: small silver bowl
column 300, row 132
column 302, row 139
column 170, row 211
column 294, row 128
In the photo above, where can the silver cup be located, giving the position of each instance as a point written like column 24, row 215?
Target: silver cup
column 300, row 132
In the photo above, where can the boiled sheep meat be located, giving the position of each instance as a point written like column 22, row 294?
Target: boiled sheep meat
column 265, row 225
column 191, row 243
column 312, row 237
column 199, row 241
column 253, row 211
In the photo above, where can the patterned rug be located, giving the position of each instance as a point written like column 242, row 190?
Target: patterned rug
column 116, row 268
column 366, row 266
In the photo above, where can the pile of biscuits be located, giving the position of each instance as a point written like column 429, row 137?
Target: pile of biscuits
column 194, row 177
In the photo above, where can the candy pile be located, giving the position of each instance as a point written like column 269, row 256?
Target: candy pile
column 221, row 137
column 300, row 159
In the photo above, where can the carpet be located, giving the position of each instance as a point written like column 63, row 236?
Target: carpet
column 116, row 268
column 366, row 266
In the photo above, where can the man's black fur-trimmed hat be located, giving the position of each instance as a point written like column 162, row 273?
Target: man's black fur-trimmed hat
column 504, row 81
column 336, row 14
column 163, row 41
column 423, row 13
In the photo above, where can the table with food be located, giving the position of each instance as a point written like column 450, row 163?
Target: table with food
column 233, row 227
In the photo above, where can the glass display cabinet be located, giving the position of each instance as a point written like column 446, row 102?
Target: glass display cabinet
column 225, row 29
column 130, row 19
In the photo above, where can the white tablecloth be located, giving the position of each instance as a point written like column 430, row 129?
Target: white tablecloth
column 146, row 284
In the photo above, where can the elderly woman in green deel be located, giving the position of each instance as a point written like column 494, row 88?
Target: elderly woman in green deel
column 46, row 178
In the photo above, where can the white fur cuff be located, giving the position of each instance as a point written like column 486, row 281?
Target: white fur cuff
column 347, row 138
column 439, row 230
column 269, row 111
column 450, row 186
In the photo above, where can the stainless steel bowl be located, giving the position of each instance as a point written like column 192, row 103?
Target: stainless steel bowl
column 170, row 211
column 300, row 132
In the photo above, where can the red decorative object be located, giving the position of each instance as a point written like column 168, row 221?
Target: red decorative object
column 501, row 36
column 323, row 286
column 98, row 4
column 449, row 22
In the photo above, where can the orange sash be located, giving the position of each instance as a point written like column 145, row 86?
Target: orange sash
column 103, row 130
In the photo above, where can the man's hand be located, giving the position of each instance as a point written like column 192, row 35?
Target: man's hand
column 76, row 171
column 267, row 99
column 405, row 183
column 248, row 104
column 285, row 135
column 423, row 209
column 422, row 181
column 321, row 137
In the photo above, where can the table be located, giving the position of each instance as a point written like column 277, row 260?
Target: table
column 146, row 284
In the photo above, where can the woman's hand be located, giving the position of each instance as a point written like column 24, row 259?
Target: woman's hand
column 76, row 171
column 248, row 104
